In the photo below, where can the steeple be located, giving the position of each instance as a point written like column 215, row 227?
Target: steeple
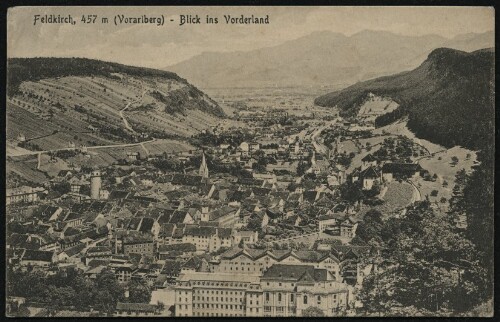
column 313, row 159
column 203, row 167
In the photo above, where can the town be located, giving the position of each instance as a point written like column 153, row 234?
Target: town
column 259, row 161
column 259, row 220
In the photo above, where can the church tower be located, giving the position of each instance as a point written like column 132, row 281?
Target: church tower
column 203, row 167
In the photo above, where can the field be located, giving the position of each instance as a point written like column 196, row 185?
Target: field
column 397, row 196
column 440, row 163
column 399, row 128
column 295, row 100
column 88, row 110
column 25, row 166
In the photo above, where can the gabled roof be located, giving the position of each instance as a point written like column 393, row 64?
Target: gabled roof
column 38, row 255
column 305, row 273
column 310, row 195
column 118, row 194
column 401, row 167
column 193, row 263
column 184, row 247
column 369, row 172
column 221, row 212
column 261, row 191
column 369, row 158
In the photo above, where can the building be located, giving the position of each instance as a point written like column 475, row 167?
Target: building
column 203, row 171
column 206, row 238
column 400, row 171
column 247, row 236
column 23, row 194
column 38, row 258
column 370, row 177
column 135, row 309
column 217, row 294
column 368, row 161
column 95, row 184
column 143, row 246
column 226, row 216
column 290, row 289
column 283, row 290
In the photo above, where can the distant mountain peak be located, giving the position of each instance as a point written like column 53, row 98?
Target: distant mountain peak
column 320, row 58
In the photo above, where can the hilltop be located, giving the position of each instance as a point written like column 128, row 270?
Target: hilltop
column 55, row 101
column 448, row 98
column 321, row 58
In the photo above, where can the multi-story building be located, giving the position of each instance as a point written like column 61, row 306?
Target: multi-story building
column 283, row 290
column 135, row 245
column 207, row 238
column 216, row 294
column 250, row 261
column 290, row 289
column 23, row 194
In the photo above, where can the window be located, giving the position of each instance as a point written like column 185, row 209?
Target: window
column 267, row 297
column 305, row 299
column 292, row 298
column 279, row 297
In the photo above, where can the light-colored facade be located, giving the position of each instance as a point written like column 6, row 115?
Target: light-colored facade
column 214, row 294
column 283, row 290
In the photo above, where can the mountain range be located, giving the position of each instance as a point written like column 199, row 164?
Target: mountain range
column 448, row 99
column 321, row 58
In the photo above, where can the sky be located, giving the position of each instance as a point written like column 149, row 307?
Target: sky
column 159, row 47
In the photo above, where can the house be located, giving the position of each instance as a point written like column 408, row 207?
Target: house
column 330, row 223
column 400, row 171
column 247, row 236
column 137, row 244
column 23, row 194
column 133, row 156
column 368, row 161
column 135, row 309
column 41, row 258
column 76, row 184
column 370, row 176
column 187, row 249
column 226, row 216
column 348, row 227
column 48, row 213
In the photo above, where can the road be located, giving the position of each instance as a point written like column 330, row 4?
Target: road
column 121, row 145
column 319, row 147
column 127, row 125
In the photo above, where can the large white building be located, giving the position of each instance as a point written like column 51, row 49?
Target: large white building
column 283, row 290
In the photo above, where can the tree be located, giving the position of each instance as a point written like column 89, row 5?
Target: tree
column 421, row 254
column 160, row 306
column 350, row 192
column 313, row 311
column 254, row 223
column 139, row 292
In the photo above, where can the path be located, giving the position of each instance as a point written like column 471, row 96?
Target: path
column 127, row 125
column 121, row 145
column 416, row 193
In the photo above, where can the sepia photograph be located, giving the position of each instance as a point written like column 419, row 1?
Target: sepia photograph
column 238, row 161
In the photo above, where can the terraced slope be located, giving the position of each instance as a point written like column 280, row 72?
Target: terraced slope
column 55, row 101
